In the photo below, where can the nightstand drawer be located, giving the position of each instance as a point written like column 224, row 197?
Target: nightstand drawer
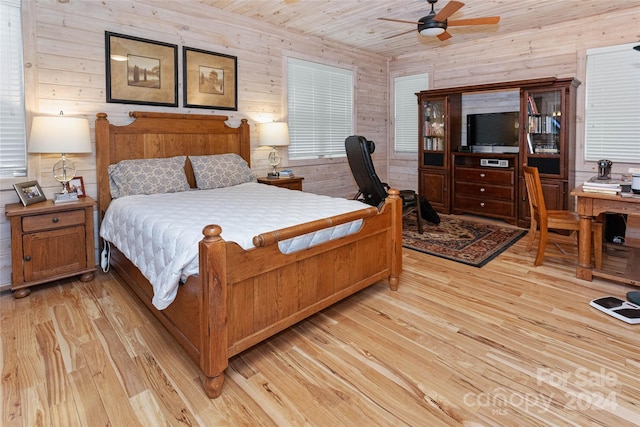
column 53, row 220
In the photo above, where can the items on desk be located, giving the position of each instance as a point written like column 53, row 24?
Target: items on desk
column 604, row 169
column 594, row 186
column 635, row 183
column 286, row 173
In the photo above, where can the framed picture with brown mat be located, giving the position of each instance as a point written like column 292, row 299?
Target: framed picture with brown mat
column 141, row 71
column 210, row 79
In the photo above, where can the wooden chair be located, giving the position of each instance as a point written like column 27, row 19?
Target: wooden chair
column 370, row 189
column 546, row 220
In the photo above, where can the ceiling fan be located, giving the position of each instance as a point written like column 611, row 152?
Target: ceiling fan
column 435, row 24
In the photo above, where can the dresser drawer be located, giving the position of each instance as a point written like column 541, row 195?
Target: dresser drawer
column 484, row 206
column 485, row 191
column 489, row 176
column 52, row 220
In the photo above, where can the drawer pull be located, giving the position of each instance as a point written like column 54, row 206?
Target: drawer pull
column 482, row 190
column 55, row 220
column 482, row 204
column 27, row 258
column 481, row 175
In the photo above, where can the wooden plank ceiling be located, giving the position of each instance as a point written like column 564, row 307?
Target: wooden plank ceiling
column 355, row 22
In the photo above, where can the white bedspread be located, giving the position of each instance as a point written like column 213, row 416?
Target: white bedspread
column 159, row 233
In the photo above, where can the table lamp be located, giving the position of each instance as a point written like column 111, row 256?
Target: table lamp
column 274, row 134
column 60, row 134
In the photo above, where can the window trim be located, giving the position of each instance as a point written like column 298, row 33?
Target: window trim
column 410, row 80
column 392, row 154
column 625, row 153
column 22, row 171
column 286, row 55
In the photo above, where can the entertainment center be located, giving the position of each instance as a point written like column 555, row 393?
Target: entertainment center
column 482, row 176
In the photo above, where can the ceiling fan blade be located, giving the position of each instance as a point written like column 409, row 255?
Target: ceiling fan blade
column 450, row 8
column 401, row 34
column 474, row 21
column 444, row 36
column 399, row 20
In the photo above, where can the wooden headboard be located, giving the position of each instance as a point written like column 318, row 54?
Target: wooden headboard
column 159, row 135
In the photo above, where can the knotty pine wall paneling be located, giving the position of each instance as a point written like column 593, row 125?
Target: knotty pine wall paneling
column 65, row 70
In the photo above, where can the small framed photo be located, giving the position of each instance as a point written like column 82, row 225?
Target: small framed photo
column 76, row 185
column 141, row 71
column 29, row 192
column 210, row 79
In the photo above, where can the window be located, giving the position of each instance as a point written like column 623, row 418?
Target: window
column 13, row 157
column 406, row 111
column 612, row 104
column 320, row 109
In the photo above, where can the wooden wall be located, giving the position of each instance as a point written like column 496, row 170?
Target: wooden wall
column 535, row 52
column 65, row 70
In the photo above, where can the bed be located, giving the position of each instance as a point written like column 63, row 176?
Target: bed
column 239, row 297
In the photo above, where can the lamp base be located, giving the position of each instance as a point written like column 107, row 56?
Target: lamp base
column 273, row 175
column 65, row 197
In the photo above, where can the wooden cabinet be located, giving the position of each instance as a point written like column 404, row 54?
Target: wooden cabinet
column 50, row 242
column 546, row 140
column 548, row 116
column 485, row 190
column 292, row 183
column 439, row 128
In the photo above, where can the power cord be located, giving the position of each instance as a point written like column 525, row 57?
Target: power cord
column 105, row 257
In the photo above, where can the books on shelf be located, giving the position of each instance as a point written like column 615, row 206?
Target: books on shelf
column 533, row 108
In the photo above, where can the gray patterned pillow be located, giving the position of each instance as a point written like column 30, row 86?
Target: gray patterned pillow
column 220, row 170
column 148, row 176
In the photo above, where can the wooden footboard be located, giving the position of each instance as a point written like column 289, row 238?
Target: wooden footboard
column 242, row 297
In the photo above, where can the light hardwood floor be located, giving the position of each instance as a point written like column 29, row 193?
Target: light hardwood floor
column 507, row 344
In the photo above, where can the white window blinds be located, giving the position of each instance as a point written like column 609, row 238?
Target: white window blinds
column 406, row 111
column 13, row 157
column 320, row 109
column 612, row 116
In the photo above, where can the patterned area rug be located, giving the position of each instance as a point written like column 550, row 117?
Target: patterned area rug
column 458, row 239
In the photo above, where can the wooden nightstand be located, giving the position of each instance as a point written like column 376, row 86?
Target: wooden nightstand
column 292, row 183
column 50, row 242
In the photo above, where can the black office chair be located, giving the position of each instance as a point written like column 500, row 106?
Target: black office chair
column 370, row 189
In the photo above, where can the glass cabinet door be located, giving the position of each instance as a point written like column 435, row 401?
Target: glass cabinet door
column 434, row 126
column 543, row 131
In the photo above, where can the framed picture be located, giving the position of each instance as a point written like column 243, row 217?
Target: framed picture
column 210, row 79
column 141, row 71
column 29, row 192
column 76, row 185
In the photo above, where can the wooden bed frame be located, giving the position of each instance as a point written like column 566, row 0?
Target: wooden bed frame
column 241, row 297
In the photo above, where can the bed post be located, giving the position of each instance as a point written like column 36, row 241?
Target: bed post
column 395, row 242
column 102, row 163
column 214, row 357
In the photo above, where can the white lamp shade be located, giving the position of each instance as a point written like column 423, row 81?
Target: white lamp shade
column 60, row 134
column 435, row 31
column 274, row 134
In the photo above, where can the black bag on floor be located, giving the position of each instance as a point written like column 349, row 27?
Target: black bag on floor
column 428, row 213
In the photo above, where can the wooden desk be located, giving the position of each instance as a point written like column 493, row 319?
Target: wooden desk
column 590, row 205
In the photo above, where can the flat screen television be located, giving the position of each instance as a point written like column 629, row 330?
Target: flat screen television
column 493, row 132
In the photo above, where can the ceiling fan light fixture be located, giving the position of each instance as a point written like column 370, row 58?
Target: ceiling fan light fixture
column 428, row 27
column 432, row 32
